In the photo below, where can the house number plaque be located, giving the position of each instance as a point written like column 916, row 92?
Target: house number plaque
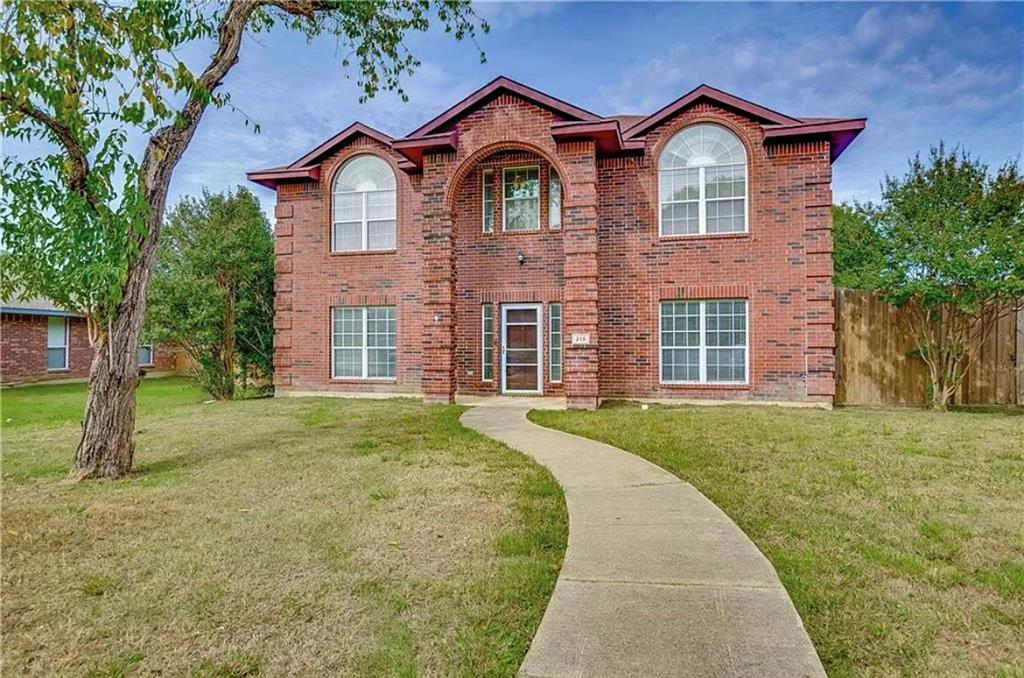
column 581, row 339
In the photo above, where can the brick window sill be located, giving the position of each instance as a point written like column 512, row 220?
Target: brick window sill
column 362, row 253
column 703, row 236
column 706, row 387
column 362, row 381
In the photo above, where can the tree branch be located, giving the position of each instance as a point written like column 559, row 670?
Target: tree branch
column 79, row 171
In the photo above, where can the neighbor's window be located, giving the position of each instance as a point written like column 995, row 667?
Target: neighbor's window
column 554, row 202
column 364, row 206
column 555, row 332
column 703, row 182
column 487, row 342
column 521, row 208
column 56, row 343
column 145, row 355
column 704, row 341
column 487, row 177
column 363, row 342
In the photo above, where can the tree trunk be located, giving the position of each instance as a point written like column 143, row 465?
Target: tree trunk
column 106, row 449
column 229, row 341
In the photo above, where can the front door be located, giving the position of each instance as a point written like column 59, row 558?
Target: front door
column 521, row 352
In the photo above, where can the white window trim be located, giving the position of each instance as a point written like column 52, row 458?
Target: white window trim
column 365, row 222
column 152, row 355
column 483, row 340
column 561, row 342
column 505, row 308
column 554, row 211
column 364, row 348
column 66, row 346
column 487, row 181
column 504, row 212
column 702, row 200
column 702, row 357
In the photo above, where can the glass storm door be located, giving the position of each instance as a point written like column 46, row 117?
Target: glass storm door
column 521, row 348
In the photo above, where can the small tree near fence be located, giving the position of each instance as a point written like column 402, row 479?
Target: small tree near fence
column 212, row 291
column 953, row 241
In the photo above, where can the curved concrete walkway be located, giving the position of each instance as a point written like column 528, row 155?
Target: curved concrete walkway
column 657, row 580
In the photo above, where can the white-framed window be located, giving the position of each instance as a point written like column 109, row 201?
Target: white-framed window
column 702, row 183
column 487, row 342
column 363, row 342
column 487, row 179
column 704, row 342
column 555, row 339
column 554, row 202
column 56, row 343
column 364, row 206
column 521, row 206
column 145, row 355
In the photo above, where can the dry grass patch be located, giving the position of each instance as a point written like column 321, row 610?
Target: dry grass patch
column 295, row 537
column 898, row 534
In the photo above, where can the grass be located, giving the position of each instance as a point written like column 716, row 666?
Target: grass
column 272, row 537
column 898, row 534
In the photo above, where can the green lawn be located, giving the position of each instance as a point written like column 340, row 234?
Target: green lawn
column 272, row 537
column 898, row 534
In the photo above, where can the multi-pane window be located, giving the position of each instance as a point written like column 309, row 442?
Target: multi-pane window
column 554, row 202
column 56, row 343
column 704, row 341
column 145, row 354
column 521, row 205
column 703, row 182
column 487, row 177
column 487, row 342
column 555, row 336
column 364, row 206
column 363, row 342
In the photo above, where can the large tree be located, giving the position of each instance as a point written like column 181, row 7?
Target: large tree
column 212, row 291
column 858, row 254
column 952, row 235
column 81, row 222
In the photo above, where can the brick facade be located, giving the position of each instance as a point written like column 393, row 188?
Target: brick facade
column 607, row 265
column 23, row 350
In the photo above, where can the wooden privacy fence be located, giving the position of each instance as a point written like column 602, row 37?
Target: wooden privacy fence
column 874, row 365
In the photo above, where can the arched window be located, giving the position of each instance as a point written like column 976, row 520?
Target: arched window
column 364, row 206
column 703, row 182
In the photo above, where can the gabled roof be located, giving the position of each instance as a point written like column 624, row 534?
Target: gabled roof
column 613, row 134
column 718, row 96
column 338, row 139
column 493, row 89
column 33, row 306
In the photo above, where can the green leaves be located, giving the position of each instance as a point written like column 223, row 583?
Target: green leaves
column 953, row 234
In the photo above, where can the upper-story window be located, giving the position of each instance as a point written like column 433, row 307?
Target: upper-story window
column 521, row 207
column 703, row 182
column 364, row 206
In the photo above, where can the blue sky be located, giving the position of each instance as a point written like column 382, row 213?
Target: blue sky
column 919, row 72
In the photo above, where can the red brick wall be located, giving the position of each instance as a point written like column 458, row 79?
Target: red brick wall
column 311, row 279
column 782, row 265
column 607, row 265
column 23, row 351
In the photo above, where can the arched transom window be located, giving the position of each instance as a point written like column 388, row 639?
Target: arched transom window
column 703, row 182
column 364, row 206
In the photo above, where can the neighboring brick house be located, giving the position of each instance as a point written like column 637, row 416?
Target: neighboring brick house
column 40, row 342
column 519, row 244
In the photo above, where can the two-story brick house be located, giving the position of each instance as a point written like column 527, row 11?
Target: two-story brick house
column 519, row 244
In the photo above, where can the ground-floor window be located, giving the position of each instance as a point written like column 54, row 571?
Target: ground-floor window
column 145, row 355
column 363, row 342
column 704, row 341
column 555, row 332
column 487, row 342
column 56, row 343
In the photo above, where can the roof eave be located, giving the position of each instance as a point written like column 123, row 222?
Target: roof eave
column 274, row 177
column 414, row 148
column 840, row 133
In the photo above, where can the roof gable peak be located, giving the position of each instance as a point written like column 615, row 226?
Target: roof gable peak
column 705, row 91
column 338, row 139
column 491, row 90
